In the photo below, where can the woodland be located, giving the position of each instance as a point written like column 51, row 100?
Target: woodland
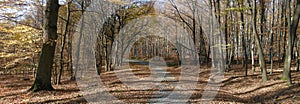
column 149, row 51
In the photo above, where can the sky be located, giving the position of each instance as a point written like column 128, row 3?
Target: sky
column 19, row 11
column 29, row 8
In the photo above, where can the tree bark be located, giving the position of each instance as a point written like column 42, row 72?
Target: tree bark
column 297, row 55
column 243, row 39
column 64, row 44
column 292, row 26
column 272, row 38
column 282, row 32
column 43, row 76
column 259, row 49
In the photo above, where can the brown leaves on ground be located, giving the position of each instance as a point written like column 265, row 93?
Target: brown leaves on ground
column 235, row 88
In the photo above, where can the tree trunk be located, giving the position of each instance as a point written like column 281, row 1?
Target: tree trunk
column 292, row 26
column 98, row 54
column 70, row 60
column 262, row 22
column 43, row 76
column 272, row 38
column 243, row 40
column 107, row 60
column 282, row 32
column 297, row 55
column 226, row 36
column 77, row 54
column 259, row 49
column 64, row 44
column 212, row 37
column 252, row 52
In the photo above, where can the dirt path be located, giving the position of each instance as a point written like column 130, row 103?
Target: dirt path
column 235, row 88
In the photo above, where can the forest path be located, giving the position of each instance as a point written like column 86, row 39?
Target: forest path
column 236, row 88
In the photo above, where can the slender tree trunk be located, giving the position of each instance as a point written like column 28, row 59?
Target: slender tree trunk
column 77, row 54
column 243, row 39
column 237, row 40
column 232, row 48
column 262, row 22
column 292, row 27
column 106, row 55
column 64, row 44
column 285, row 25
column 226, row 36
column 258, row 44
column 272, row 38
column 282, row 32
column 43, row 76
column 98, row 54
column 252, row 52
column 212, row 37
column 297, row 55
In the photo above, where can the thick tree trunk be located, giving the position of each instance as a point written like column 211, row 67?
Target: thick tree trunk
column 70, row 61
column 43, row 76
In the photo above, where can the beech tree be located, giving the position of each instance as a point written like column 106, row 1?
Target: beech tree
column 258, row 43
column 43, row 75
column 292, row 27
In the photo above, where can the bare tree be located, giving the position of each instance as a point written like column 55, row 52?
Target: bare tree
column 258, row 44
column 292, row 27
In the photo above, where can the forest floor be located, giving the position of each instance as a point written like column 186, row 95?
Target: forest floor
column 236, row 88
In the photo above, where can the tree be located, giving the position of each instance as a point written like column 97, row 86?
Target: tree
column 64, row 38
column 272, row 38
column 292, row 26
column 191, row 19
column 43, row 76
column 123, row 15
column 259, row 49
column 241, row 5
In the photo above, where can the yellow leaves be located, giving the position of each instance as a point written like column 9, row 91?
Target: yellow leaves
column 20, row 37
column 136, row 12
column 21, row 34
column 3, row 30
column 18, row 30
column 2, row 55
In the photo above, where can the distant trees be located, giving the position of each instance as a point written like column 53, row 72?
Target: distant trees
column 268, row 21
column 111, row 28
column 252, row 29
column 190, row 17
column 248, row 26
